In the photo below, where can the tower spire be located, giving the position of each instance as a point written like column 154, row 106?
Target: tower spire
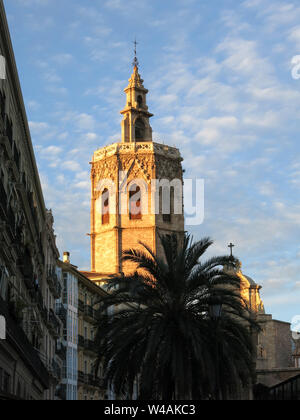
column 135, row 61
column 136, row 125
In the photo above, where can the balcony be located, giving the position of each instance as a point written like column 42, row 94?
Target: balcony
column 19, row 341
column 2, row 107
column 6, row 213
column 15, row 308
column 90, row 345
column 9, row 130
column 61, row 312
column 89, row 311
column 86, row 344
column 81, row 341
column 55, row 370
column 100, row 383
column 38, row 297
column 94, row 381
column 58, row 288
column 44, row 314
column 17, row 157
column 81, row 377
column 81, row 305
column 91, row 380
column 61, row 393
column 53, row 322
column 25, row 265
column 3, row 201
column 61, row 350
column 54, row 284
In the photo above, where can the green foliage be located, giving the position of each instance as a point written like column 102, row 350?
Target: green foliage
column 155, row 328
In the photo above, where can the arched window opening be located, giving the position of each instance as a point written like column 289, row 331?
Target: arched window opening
column 135, row 207
column 140, row 101
column 105, row 207
column 139, row 130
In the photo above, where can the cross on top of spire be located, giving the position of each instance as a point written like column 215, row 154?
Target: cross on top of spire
column 135, row 61
column 231, row 246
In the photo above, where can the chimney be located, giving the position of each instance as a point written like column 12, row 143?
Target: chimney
column 66, row 258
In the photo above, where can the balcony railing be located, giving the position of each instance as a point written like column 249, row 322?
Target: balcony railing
column 94, row 381
column 39, row 298
column 90, row 379
column 80, row 305
column 61, row 392
column 9, row 129
column 87, row 344
column 61, row 350
column 89, row 311
column 55, row 370
column 54, row 283
column 81, row 377
column 61, row 312
column 3, row 200
column 81, row 340
column 90, row 345
column 53, row 321
column 44, row 314
column 6, row 213
column 18, row 339
column 2, row 106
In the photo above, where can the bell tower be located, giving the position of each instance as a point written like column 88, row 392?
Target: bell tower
column 137, row 189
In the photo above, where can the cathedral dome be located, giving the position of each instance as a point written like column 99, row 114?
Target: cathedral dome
column 250, row 280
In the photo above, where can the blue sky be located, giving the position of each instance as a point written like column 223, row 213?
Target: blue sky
column 220, row 86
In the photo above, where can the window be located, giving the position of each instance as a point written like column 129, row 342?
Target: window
column 19, row 390
column 140, row 101
column 3, row 282
column 135, row 208
column 105, row 207
column 6, row 383
column 139, row 130
column 2, row 105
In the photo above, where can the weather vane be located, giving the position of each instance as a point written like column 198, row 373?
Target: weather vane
column 135, row 61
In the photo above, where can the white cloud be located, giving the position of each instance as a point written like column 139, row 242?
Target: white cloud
column 71, row 165
column 38, row 127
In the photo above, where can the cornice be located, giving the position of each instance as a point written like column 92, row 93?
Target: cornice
column 134, row 148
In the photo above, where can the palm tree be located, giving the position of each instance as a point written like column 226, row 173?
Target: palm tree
column 160, row 334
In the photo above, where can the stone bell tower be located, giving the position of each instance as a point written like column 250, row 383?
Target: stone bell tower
column 125, row 178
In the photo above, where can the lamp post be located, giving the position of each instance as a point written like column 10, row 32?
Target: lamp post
column 215, row 314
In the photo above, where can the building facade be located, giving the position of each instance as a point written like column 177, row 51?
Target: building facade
column 29, row 286
column 81, row 300
column 90, row 387
column 68, row 345
column 276, row 358
column 296, row 349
